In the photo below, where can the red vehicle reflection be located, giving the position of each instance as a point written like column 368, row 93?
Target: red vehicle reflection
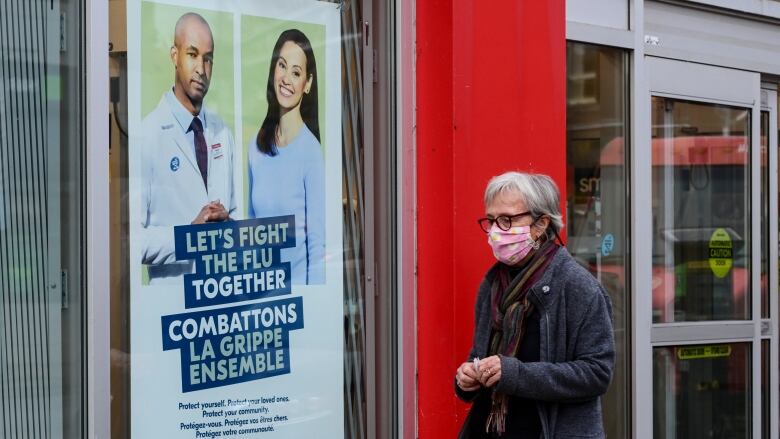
column 699, row 187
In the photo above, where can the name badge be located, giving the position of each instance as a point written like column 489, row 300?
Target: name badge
column 216, row 151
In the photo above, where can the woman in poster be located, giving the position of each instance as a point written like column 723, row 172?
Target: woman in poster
column 286, row 165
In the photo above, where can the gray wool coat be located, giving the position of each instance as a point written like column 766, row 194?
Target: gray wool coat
column 577, row 350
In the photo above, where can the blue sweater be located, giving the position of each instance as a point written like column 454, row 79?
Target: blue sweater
column 293, row 183
column 576, row 352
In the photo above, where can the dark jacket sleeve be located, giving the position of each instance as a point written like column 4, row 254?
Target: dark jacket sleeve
column 481, row 307
column 586, row 376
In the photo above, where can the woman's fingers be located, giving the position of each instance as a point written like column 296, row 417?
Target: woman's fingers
column 467, row 383
column 470, row 388
column 493, row 379
column 489, row 370
column 466, row 377
column 487, row 375
column 468, row 370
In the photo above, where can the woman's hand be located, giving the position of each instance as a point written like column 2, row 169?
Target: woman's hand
column 466, row 377
column 489, row 371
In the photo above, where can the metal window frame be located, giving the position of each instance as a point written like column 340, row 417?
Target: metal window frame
column 383, row 220
column 701, row 332
column 98, row 385
column 770, row 92
column 774, row 264
column 55, row 284
column 640, row 172
column 372, row 328
column 406, row 218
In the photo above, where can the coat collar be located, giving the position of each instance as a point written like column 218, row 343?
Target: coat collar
column 541, row 296
column 171, row 127
column 182, row 116
column 542, row 293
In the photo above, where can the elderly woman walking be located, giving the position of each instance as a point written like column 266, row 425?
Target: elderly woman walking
column 543, row 347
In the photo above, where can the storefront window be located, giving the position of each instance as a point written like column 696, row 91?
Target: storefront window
column 42, row 218
column 255, row 325
column 702, row 391
column 597, row 202
column 701, row 214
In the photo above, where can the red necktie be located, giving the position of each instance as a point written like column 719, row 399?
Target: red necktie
column 201, row 151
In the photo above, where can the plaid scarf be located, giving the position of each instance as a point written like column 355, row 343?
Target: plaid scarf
column 510, row 309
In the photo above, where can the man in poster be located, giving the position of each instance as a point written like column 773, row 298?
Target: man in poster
column 186, row 155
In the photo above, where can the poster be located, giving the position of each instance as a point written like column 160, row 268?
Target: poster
column 236, row 272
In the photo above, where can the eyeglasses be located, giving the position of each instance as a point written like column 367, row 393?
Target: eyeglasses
column 504, row 222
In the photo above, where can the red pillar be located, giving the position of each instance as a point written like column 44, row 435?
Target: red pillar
column 490, row 91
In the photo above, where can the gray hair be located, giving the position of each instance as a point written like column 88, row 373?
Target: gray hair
column 538, row 191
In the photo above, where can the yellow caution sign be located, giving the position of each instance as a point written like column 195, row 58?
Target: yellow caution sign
column 721, row 253
column 699, row 352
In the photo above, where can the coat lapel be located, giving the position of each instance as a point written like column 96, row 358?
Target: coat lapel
column 172, row 127
column 208, row 137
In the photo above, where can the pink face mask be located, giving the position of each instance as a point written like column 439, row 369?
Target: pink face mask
column 511, row 246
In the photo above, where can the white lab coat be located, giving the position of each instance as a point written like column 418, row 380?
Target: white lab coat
column 172, row 189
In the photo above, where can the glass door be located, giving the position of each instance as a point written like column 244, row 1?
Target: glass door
column 708, row 253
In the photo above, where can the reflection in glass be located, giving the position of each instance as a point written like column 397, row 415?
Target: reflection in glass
column 355, row 397
column 765, row 386
column 701, row 215
column 764, row 215
column 43, row 310
column 702, row 392
column 596, row 200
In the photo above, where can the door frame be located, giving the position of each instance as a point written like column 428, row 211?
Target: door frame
column 769, row 103
column 704, row 83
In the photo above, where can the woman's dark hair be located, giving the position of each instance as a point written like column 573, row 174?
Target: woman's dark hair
column 266, row 137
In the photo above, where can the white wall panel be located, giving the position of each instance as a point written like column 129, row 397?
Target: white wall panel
column 769, row 8
column 607, row 13
column 709, row 37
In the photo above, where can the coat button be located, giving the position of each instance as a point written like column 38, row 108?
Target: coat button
column 546, row 289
